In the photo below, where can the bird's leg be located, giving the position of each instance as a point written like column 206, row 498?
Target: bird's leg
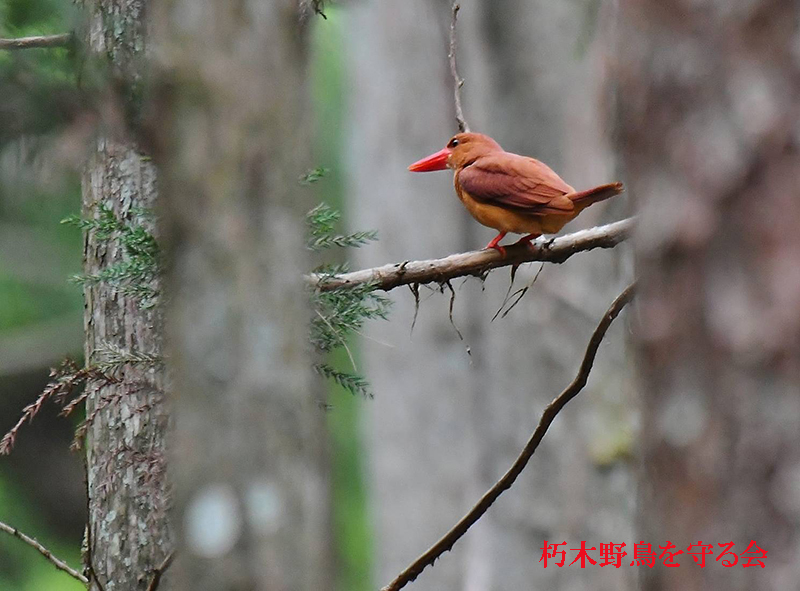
column 495, row 244
column 527, row 239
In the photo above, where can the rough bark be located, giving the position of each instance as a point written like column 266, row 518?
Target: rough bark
column 445, row 425
column 232, row 137
column 709, row 131
column 128, row 529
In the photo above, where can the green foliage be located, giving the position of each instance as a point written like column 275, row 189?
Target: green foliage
column 313, row 175
column 112, row 358
column 136, row 275
column 339, row 313
column 322, row 222
column 351, row 382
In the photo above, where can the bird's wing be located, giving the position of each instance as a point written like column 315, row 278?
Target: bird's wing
column 516, row 182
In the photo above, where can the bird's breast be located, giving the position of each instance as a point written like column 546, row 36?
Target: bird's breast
column 506, row 220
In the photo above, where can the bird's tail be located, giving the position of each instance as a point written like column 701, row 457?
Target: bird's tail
column 586, row 198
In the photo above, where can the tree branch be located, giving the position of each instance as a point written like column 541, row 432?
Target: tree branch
column 458, row 82
column 62, row 40
column 549, row 414
column 479, row 262
column 159, row 572
column 59, row 564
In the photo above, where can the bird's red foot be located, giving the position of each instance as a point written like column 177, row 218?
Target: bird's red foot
column 527, row 239
column 495, row 243
column 500, row 249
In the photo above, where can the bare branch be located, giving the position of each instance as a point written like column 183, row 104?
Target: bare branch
column 62, row 40
column 477, row 263
column 549, row 414
column 458, row 82
column 59, row 564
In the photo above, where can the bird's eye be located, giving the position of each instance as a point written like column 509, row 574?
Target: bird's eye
column 453, row 143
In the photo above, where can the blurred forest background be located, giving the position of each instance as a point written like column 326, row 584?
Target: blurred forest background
column 41, row 308
column 41, row 486
column 41, row 312
column 438, row 435
column 451, row 411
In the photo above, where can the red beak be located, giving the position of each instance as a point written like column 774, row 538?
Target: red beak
column 437, row 161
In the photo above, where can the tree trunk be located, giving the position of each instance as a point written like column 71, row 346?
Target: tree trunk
column 418, row 444
column 128, row 529
column 445, row 425
column 251, row 487
column 709, row 125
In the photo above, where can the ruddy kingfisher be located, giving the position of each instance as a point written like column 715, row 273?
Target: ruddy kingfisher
column 509, row 192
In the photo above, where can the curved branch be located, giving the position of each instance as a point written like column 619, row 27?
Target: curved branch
column 62, row 40
column 478, row 262
column 549, row 414
column 458, row 81
column 58, row 563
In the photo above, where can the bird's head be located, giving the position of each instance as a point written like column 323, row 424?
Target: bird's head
column 462, row 150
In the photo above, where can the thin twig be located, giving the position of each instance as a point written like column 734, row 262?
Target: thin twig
column 453, row 322
column 318, row 6
column 520, row 293
column 458, row 82
column 549, row 414
column 28, row 414
column 159, row 572
column 414, row 287
column 64, row 380
column 59, row 564
column 62, row 40
column 478, row 262
column 514, row 270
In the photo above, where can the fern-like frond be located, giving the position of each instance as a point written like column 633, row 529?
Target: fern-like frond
column 353, row 383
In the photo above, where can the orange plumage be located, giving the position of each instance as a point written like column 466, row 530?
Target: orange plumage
column 509, row 192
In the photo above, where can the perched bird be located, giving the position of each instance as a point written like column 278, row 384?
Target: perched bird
column 509, row 192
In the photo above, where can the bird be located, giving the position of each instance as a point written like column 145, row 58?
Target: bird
column 509, row 192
